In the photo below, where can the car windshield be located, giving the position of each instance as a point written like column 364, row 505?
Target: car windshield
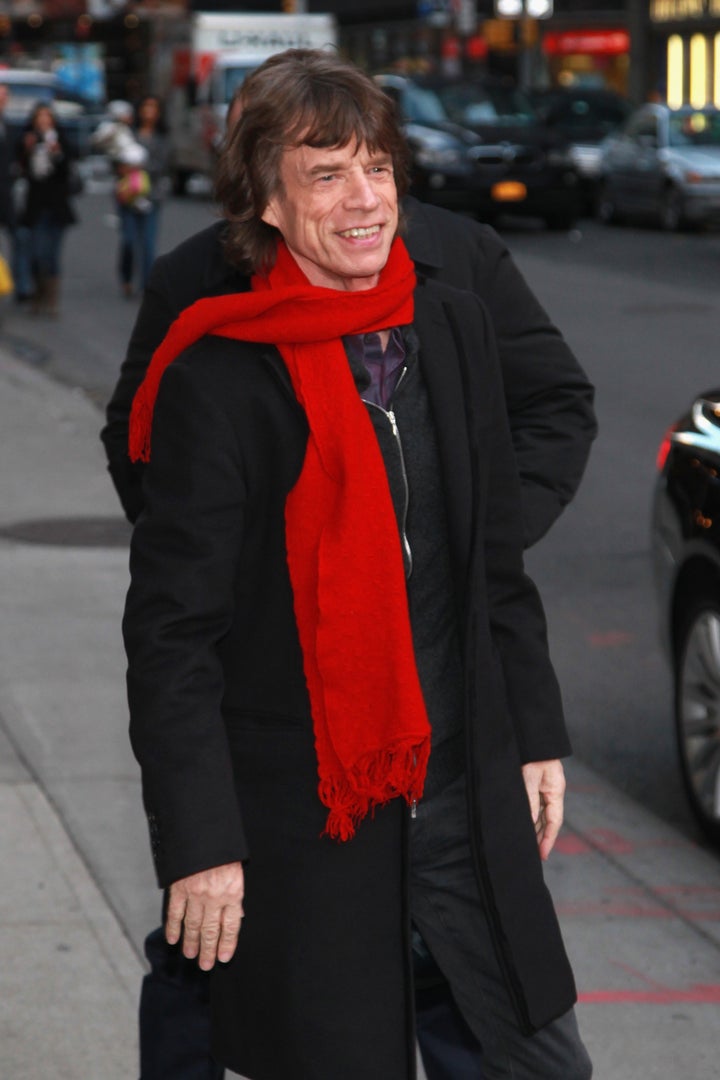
column 423, row 106
column 695, row 128
column 475, row 104
column 31, row 90
column 232, row 78
column 603, row 113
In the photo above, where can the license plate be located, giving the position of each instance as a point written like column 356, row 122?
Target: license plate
column 509, row 191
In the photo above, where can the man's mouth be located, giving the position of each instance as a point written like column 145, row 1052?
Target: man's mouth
column 360, row 233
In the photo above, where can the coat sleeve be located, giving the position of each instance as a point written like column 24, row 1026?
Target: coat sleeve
column 549, row 397
column 156, row 313
column 516, row 615
column 179, row 607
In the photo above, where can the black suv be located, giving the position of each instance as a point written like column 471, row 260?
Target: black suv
column 583, row 116
column 479, row 146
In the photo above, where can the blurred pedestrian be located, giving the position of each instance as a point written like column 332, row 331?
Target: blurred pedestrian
column 139, row 221
column 133, row 185
column 45, row 162
column 115, row 134
column 19, row 258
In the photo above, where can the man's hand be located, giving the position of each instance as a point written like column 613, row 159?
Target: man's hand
column 545, row 786
column 206, row 909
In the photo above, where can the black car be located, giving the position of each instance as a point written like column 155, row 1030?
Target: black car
column 686, row 554
column 479, row 146
column 584, row 116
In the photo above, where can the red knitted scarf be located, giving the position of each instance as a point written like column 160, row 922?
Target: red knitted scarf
column 372, row 735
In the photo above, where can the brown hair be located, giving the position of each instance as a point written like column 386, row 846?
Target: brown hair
column 298, row 97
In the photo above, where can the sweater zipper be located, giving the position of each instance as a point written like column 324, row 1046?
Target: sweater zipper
column 392, row 420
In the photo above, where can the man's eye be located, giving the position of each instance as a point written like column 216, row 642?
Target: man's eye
column 326, row 178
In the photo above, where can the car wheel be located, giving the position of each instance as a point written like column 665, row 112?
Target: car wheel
column 606, row 207
column 671, row 210
column 563, row 220
column 697, row 713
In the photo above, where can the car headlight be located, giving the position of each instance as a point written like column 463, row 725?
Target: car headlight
column 559, row 157
column 437, row 157
column 692, row 177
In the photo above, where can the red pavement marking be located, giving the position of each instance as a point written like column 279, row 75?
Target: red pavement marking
column 569, row 844
column 600, row 840
column 636, row 903
column 654, row 993
column 616, row 911
column 699, row 995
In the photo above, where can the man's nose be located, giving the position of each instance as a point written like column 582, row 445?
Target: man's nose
column 362, row 191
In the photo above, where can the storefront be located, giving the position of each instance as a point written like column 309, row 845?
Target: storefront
column 593, row 57
column 685, row 63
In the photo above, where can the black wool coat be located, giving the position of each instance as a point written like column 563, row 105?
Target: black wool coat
column 220, row 723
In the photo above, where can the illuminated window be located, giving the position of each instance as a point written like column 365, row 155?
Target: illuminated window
column 698, row 70
column 716, row 67
column 675, row 71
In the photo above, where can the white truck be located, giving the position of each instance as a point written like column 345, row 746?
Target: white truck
column 201, row 60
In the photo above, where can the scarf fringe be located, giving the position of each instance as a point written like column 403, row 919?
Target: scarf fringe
column 374, row 780
column 140, row 427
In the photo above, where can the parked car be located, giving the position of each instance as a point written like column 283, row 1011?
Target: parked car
column 77, row 116
column 479, row 146
column 686, row 557
column 665, row 163
column 584, row 116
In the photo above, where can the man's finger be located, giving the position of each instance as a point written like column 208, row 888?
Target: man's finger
column 553, row 816
column 174, row 917
column 231, row 923
column 209, row 937
column 192, row 926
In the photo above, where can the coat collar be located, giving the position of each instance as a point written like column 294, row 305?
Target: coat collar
column 421, row 240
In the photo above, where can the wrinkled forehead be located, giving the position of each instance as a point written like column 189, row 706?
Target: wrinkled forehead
column 337, row 123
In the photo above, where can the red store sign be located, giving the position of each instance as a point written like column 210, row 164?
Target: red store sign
column 588, row 42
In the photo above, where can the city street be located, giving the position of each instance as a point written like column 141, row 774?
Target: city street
column 637, row 890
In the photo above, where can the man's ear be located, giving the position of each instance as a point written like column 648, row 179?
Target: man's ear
column 269, row 214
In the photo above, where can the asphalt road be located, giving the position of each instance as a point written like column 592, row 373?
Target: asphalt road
column 642, row 312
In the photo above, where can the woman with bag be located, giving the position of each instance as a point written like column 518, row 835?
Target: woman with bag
column 139, row 217
column 46, row 165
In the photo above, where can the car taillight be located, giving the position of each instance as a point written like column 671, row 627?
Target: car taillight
column 664, row 449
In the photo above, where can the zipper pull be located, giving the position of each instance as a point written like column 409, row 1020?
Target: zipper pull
column 413, row 809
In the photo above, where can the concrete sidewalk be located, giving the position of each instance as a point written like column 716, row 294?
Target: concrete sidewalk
column 639, row 903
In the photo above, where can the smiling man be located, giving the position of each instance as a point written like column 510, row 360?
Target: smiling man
column 341, row 698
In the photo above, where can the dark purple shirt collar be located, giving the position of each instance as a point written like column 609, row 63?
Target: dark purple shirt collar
column 383, row 368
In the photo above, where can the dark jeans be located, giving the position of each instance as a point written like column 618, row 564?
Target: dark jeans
column 448, row 912
column 46, row 238
column 138, row 242
column 175, row 1021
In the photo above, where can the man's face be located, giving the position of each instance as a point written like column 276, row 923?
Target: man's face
column 3, row 96
column 338, row 213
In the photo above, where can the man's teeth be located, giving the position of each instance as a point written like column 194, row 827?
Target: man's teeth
column 370, row 231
